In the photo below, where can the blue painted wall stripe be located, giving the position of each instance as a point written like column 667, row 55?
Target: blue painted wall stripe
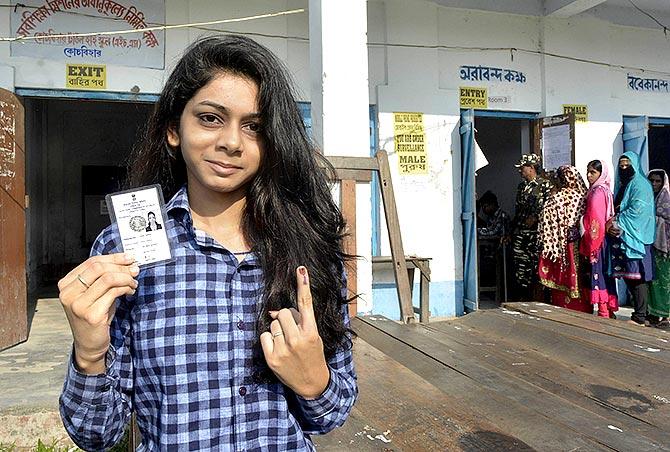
column 90, row 95
column 445, row 297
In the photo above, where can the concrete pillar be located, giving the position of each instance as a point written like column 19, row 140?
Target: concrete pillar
column 340, row 105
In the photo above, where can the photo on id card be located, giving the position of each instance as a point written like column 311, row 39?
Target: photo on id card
column 140, row 217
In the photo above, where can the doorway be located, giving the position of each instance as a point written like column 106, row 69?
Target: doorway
column 502, row 141
column 77, row 151
column 502, row 138
column 659, row 144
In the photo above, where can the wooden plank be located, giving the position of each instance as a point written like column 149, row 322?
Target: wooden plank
column 423, row 264
column 416, row 414
column 565, row 414
column 598, row 332
column 424, row 301
column 353, row 163
column 517, row 418
column 572, row 351
column 536, row 136
column 389, row 260
column 352, row 435
column 356, row 175
column 348, row 207
column 395, row 239
column 591, row 322
column 624, row 403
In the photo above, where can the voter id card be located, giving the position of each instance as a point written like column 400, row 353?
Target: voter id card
column 140, row 217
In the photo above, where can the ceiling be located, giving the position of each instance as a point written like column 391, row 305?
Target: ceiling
column 621, row 12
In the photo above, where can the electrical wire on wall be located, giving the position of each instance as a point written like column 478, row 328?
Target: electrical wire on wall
column 649, row 15
column 154, row 28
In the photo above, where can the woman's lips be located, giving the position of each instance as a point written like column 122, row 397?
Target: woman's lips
column 222, row 168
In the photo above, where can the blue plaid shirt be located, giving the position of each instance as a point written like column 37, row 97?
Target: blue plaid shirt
column 181, row 356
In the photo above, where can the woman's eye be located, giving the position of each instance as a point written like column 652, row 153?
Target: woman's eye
column 209, row 118
column 254, row 127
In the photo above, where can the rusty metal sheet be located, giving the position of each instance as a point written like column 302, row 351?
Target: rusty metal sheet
column 13, row 296
column 12, row 147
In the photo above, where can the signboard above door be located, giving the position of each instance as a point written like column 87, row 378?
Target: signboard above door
column 52, row 26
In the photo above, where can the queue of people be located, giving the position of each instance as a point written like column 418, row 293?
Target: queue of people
column 570, row 242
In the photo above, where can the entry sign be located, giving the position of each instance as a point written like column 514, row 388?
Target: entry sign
column 581, row 111
column 474, row 97
column 86, row 76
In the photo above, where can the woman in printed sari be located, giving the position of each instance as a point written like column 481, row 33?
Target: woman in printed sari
column 632, row 230
column 597, row 286
column 659, row 300
column 559, row 239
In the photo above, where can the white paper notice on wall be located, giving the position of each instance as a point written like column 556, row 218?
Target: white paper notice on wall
column 480, row 158
column 556, row 146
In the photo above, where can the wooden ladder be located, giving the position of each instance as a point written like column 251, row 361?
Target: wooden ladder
column 360, row 169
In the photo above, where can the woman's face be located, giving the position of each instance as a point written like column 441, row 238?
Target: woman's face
column 592, row 175
column 220, row 136
column 624, row 163
column 528, row 172
column 656, row 182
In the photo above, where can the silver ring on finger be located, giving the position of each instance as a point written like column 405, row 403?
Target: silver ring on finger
column 278, row 333
column 81, row 280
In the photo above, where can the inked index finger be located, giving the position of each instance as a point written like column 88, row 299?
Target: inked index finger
column 305, row 303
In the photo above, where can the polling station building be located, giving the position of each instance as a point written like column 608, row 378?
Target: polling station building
column 454, row 91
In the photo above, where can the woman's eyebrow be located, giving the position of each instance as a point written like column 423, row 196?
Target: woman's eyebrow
column 225, row 111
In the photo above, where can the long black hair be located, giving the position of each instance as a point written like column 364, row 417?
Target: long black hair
column 290, row 218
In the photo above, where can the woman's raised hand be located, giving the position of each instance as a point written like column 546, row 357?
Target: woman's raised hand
column 88, row 294
column 293, row 348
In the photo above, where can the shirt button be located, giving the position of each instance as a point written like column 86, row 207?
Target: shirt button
column 240, row 325
column 242, row 391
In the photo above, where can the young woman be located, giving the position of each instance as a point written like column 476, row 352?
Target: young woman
column 242, row 341
column 598, row 287
column 659, row 299
column 632, row 232
column 559, row 239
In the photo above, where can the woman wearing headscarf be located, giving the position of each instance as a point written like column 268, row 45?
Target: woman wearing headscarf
column 632, row 230
column 598, row 287
column 659, row 299
column 559, row 239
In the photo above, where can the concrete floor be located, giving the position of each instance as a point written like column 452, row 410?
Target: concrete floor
column 31, row 378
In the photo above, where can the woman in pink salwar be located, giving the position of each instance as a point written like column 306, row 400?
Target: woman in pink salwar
column 597, row 286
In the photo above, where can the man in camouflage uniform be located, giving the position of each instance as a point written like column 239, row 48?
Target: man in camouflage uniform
column 531, row 195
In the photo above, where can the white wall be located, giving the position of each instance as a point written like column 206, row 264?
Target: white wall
column 425, row 78
column 422, row 79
